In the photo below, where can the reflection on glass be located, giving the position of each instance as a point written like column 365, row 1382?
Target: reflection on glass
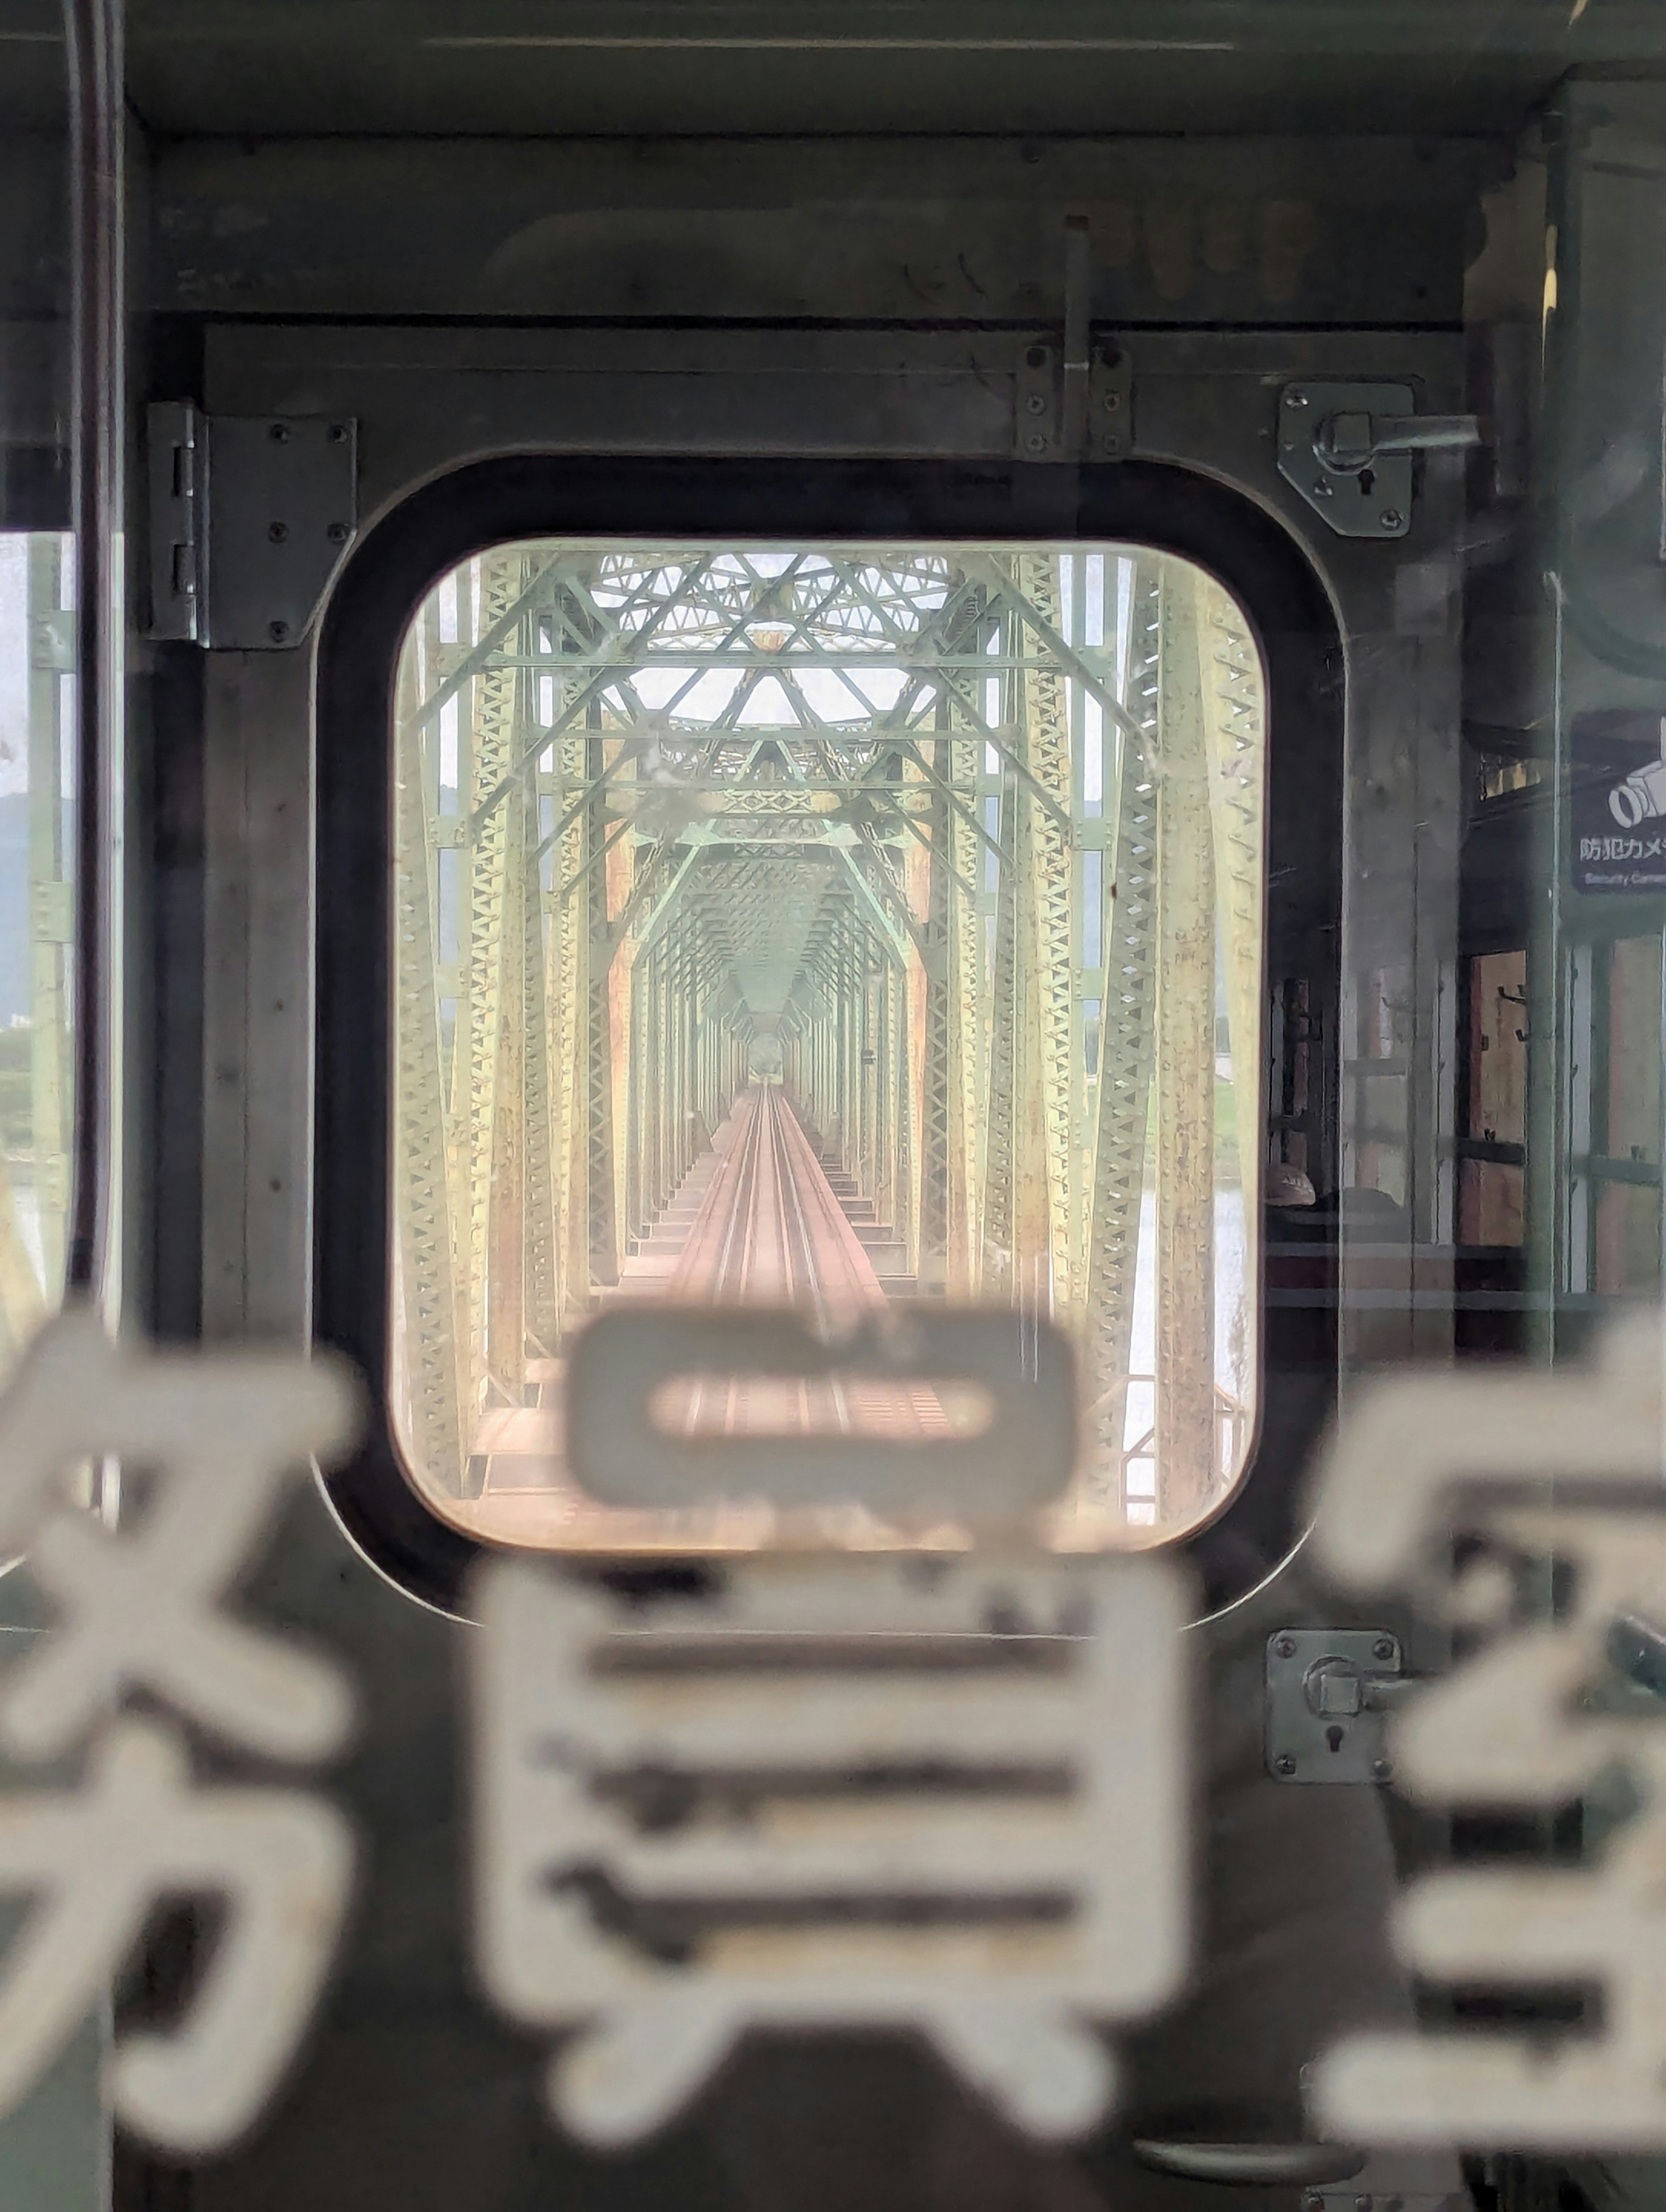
column 1626, row 1238
column 851, row 926
column 1634, row 1064
column 37, row 718
column 1491, row 1175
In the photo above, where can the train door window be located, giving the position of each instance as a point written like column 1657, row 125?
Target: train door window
column 1492, row 1147
column 851, row 925
column 37, row 804
column 1615, row 1080
column 37, row 740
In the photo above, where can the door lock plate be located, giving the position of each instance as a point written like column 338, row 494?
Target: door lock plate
column 1328, row 1694
column 1357, row 497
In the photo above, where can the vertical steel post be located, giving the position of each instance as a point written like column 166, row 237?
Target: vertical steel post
column 1052, row 1089
column 1187, row 1452
column 422, row 1209
column 998, row 1258
column 505, row 1287
column 494, row 694
column 1122, row 1106
column 602, row 1246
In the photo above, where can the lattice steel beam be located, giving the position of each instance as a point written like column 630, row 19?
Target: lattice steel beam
column 1053, row 1093
column 601, row 1232
column 488, row 854
column 422, row 1207
column 1125, row 1042
column 1185, row 1425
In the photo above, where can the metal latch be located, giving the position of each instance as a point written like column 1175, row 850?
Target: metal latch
column 1328, row 1693
column 250, row 517
column 1347, row 449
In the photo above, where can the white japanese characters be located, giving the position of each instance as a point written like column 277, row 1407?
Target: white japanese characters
column 1621, row 849
column 946, row 1794
column 1534, row 1716
column 141, row 1620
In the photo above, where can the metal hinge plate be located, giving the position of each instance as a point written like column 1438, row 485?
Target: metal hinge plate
column 250, row 517
column 1327, row 1689
column 1050, row 422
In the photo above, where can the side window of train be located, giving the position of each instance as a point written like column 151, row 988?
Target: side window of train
column 38, row 704
column 37, row 924
column 875, row 927
column 1614, row 1171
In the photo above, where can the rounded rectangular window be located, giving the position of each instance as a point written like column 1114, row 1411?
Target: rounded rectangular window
column 855, row 927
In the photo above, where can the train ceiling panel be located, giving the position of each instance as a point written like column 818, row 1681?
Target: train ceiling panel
column 657, row 67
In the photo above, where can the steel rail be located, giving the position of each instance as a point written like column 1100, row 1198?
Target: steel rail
column 771, row 1231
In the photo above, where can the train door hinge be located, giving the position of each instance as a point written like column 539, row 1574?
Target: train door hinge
column 1347, row 448
column 1052, row 425
column 250, row 517
column 1073, row 401
column 1329, row 1691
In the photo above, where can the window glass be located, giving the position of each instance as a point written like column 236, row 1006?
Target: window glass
column 1627, row 1238
column 855, row 925
column 1634, row 1069
column 1626, row 1172
column 1614, row 1098
column 37, row 706
column 1492, row 1149
column 36, row 677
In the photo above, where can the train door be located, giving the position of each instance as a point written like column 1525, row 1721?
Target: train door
column 1088, row 507
column 1063, row 727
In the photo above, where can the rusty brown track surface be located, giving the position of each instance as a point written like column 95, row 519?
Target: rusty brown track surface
column 771, row 1231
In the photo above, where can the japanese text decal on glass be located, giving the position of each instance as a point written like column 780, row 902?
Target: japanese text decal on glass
column 215, row 1440
column 903, row 1789
column 848, row 1793
column 1557, row 1607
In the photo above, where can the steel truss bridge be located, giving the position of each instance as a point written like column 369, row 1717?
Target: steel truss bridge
column 964, row 845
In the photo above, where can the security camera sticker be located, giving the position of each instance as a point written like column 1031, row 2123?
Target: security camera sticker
column 1619, row 802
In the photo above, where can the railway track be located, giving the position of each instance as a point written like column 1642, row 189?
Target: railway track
column 771, row 1231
